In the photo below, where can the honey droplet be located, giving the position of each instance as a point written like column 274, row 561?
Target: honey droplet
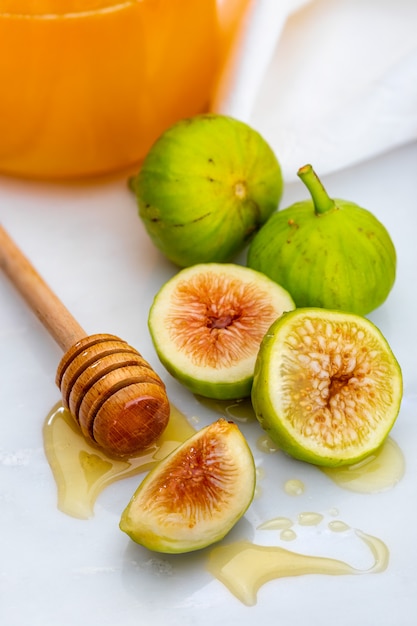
column 82, row 471
column 294, row 487
column 337, row 526
column 240, row 410
column 277, row 523
column 309, row 519
column 265, row 444
column 288, row 535
column 378, row 472
column 260, row 474
column 243, row 567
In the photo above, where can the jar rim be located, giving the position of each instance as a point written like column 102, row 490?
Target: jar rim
column 51, row 9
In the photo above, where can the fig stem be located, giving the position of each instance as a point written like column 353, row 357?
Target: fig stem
column 321, row 200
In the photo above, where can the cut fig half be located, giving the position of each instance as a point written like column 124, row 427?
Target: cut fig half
column 327, row 387
column 195, row 496
column 207, row 324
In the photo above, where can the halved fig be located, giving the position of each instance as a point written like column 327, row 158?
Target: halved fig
column 196, row 495
column 207, row 323
column 327, row 387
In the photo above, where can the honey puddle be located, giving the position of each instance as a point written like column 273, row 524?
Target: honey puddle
column 82, row 471
column 243, row 567
column 378, row 472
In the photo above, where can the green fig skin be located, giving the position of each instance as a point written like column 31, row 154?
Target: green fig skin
column 205, row 187
column 341, row 258
column 206, row 389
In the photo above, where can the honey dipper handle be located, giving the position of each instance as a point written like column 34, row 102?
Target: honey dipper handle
column 44, row 303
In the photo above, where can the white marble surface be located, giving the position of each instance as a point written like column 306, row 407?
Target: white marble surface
column 88, row 243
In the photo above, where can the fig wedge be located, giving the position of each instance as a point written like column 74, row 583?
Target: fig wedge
column 327, row 387
column 207, row 323
column 195, row 496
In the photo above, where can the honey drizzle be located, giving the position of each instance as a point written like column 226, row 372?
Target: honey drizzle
column 243, row 567
column 82, row 471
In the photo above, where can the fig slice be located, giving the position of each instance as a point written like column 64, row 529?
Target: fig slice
column 207, row 323
column 194, row 496
column 327, row 387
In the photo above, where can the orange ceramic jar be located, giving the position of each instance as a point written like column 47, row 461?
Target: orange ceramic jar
column 87, row 85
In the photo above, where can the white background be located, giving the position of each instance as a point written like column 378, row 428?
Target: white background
column 89, row 244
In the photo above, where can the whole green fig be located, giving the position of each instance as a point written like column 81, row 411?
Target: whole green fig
column 205, row 187
column 327, row 253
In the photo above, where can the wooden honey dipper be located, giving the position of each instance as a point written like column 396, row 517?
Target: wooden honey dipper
column 114, row 395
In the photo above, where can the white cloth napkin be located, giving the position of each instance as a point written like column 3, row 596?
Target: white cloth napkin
column 326, row 82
